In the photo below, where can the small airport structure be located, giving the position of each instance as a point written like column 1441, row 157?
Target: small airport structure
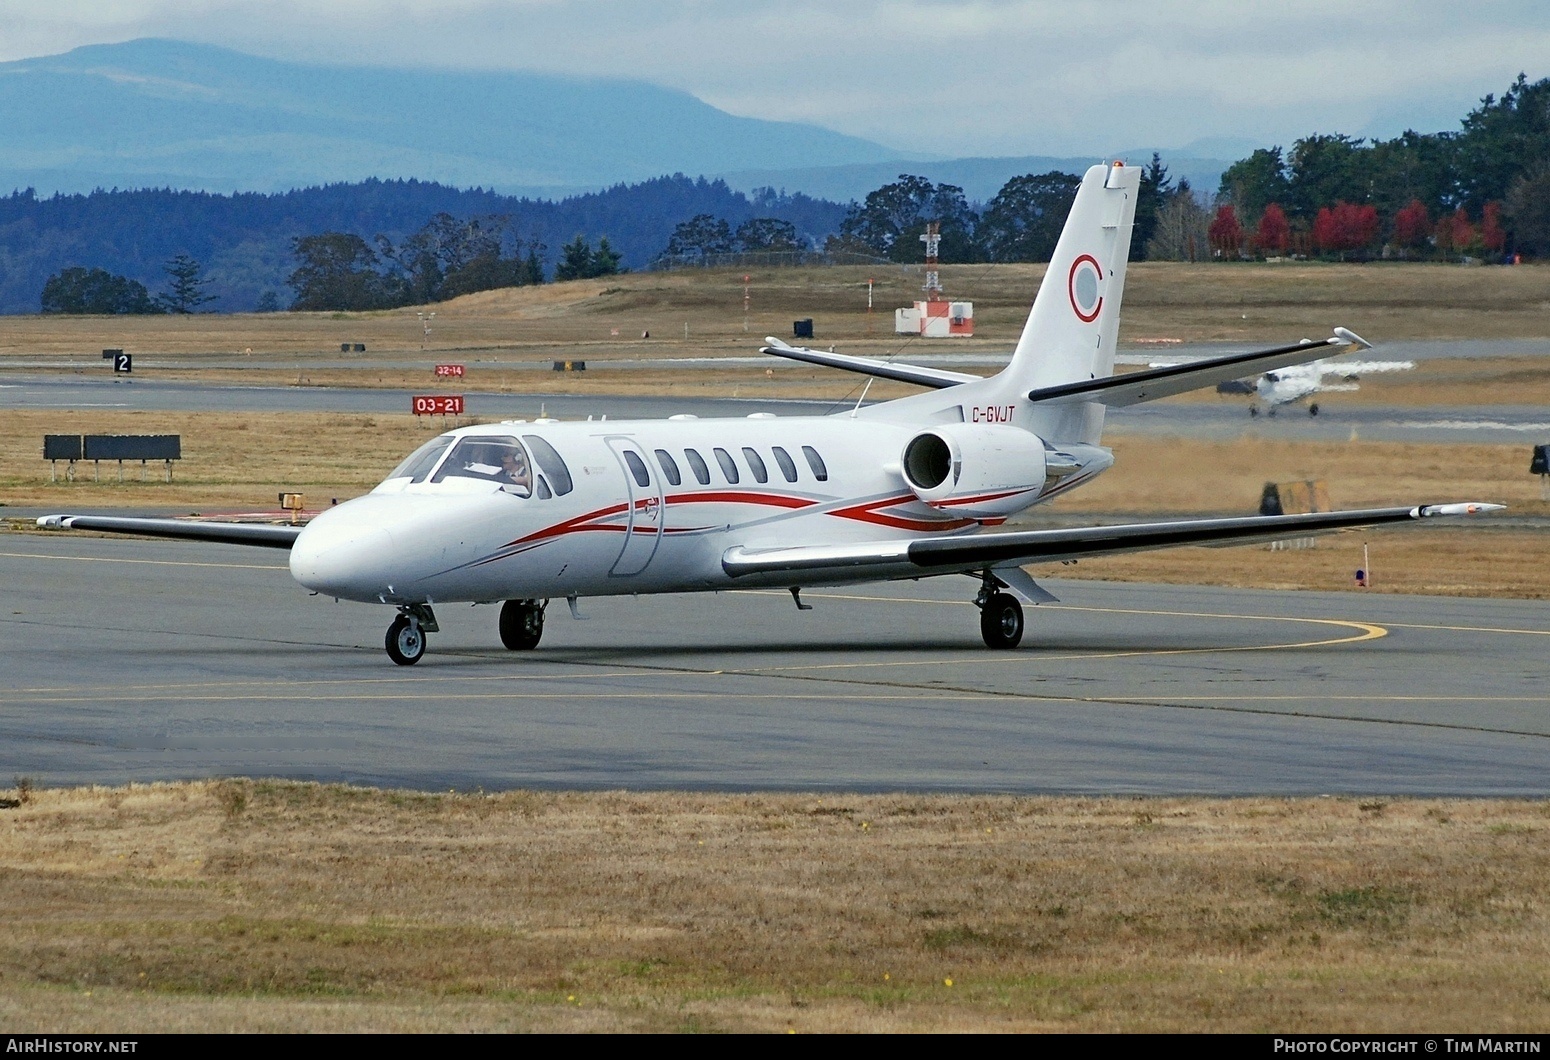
column 934, row 318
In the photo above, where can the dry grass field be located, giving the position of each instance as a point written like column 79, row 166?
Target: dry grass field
column 500, row 335
column 242, row 905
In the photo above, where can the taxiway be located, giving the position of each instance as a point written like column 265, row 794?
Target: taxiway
column 139, row 660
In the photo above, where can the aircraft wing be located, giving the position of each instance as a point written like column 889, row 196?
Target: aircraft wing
column 921, row 556
column 906, row 373
column 1135, row 387
column 265, row 535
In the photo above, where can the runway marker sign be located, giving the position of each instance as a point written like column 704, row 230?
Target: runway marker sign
column 449, row 371
column 438, row 405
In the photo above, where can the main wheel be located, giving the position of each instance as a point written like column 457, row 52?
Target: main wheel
column 405, row 641
column 1253, row 411
column 1001, row 622
column 522, row 624
column 1313, row 409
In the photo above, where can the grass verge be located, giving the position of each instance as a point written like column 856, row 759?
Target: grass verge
column 256, row 905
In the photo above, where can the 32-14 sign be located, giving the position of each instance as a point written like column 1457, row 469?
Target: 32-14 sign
column 449, row 371
column 438, row 405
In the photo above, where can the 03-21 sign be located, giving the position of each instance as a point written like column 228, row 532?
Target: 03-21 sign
column 438, row 405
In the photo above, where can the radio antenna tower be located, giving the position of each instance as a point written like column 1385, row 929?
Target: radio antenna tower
column 933, row 285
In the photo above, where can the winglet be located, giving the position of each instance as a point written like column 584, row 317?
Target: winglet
column 1351, row 338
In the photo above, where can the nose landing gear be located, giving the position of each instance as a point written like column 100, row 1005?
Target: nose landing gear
column 405, row 640
column 1001, row 616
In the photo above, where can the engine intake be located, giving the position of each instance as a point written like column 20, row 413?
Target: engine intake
column 979, row 471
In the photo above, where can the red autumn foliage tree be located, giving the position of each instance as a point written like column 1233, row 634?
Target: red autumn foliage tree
column 1226, row 233
column 1491, row 232
column 1455, row 234
column 1274, row 233
column 1412, row 225
column 1345, row 226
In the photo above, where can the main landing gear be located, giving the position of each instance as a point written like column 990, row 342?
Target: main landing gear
column 522, row 624
column 1001, row 616
column 406, row 636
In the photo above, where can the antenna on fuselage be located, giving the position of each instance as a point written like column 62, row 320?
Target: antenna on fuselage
column 859, row 400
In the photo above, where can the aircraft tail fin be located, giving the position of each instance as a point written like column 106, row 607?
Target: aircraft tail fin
column 1074, row 323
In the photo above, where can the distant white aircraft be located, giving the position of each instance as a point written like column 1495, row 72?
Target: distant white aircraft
column 1290, row 384
column 1298, row 382
column 524, row 513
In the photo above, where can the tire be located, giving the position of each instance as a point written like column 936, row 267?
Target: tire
column 1313, row 409
column 1001, row 622
column 522, row 624
column 405, row 642
column 1253, row 411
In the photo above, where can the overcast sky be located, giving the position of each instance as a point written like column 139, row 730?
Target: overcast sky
column 955, row 77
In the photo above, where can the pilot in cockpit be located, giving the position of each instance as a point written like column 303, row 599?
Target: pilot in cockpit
column 515, row 470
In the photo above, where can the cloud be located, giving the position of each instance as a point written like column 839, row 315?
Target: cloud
column 947, row 76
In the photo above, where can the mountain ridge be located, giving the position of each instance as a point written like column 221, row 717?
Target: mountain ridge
column 152, row 112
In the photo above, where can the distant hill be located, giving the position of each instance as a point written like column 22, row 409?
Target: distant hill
column 162, row 113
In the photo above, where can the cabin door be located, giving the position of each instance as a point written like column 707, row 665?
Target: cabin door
column 643, row 521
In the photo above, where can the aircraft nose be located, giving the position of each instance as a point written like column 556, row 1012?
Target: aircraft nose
column 338, row 555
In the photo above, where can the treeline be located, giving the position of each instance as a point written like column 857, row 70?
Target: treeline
column 1482, row 191
column 1021, row 223
column 246, row 243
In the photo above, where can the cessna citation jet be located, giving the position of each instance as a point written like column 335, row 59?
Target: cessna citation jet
column 525, row 513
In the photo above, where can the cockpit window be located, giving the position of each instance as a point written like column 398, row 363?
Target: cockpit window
column 490, row 459
column 420, row 462
column 550, row 464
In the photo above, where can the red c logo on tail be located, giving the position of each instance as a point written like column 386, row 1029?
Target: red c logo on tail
column 1082, row 285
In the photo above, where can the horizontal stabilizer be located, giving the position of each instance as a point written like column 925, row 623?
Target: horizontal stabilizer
column 1132, row 388
column 904, row 373
column 264, row 535
column 904, row 558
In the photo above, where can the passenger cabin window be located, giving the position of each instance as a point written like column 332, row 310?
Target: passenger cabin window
column 637, row 468
column 494, row 458
column 697, row 465
column 814, row 461
column 788, row 467
column 728, row 465
column 550, row 464
column 669, row 466
column 422, row 461
column 756, row 464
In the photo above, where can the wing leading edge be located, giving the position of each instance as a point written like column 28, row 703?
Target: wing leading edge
column 905, row 373
column 1132, row 388
column 264, row 535
column 914, row 557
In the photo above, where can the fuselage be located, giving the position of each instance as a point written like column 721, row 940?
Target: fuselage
column 615, row 507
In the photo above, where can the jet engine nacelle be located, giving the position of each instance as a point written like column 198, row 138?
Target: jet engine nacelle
column 979, row 471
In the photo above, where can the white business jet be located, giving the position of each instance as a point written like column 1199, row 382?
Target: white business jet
column 525, row 513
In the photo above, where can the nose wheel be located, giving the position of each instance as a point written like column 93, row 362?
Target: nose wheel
column 522, row 624
column 405, row 641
